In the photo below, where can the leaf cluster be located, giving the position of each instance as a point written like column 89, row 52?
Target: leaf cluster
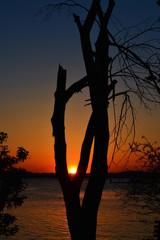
column 11, row 185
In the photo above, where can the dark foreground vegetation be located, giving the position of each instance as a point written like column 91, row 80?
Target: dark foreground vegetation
column 11, row 185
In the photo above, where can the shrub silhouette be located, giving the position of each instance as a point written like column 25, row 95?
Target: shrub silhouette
column 11, row 185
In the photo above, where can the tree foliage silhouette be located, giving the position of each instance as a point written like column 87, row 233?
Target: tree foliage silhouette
column 121, row 64
column 11, row 185
column 144, row 192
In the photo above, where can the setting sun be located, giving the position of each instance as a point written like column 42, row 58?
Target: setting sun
column 72, row 170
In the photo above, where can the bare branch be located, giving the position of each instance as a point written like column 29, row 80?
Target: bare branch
column 139, row 65
column 49, row 9
column 76, row 87
column 85, row 153
column 108, row 12
column 91, row 16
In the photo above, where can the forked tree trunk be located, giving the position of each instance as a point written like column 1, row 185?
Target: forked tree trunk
column 82, row 218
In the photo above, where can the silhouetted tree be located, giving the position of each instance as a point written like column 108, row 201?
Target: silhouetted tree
column 144, row 191
column 11, row 185
column 122, row 63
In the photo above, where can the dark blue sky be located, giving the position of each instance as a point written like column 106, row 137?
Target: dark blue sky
column 30, row 52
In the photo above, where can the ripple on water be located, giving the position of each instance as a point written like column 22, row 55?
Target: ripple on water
column 43, row 215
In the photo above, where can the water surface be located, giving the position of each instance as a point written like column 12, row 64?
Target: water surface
column 43, row 217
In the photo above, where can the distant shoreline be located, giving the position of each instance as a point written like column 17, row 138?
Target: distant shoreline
column 125, row 174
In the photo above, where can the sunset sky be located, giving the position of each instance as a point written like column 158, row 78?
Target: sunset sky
column 30, row 52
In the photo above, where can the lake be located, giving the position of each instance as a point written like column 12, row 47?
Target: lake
column 43, row 217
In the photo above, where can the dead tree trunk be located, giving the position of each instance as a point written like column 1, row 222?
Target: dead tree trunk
column 82, row 219
column 70, row 188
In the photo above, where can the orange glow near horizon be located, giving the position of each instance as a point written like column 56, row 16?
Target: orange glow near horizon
column 29, row 82
column 72, row 170
column 39, row 163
